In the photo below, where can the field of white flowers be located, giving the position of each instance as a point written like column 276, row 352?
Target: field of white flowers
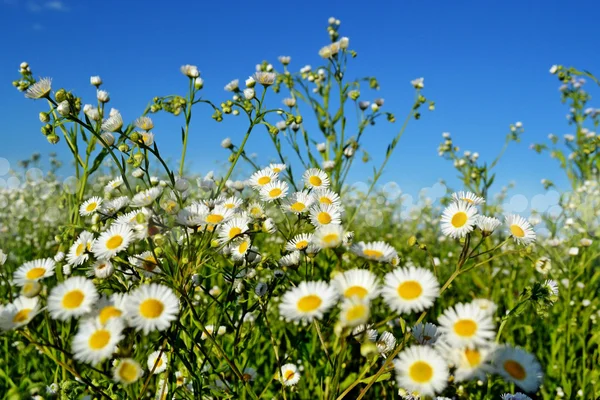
column 140, row 280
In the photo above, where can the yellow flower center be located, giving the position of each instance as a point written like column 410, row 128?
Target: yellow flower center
column 263, row 180
column 91, row 207
column 459, row 219
column 356, row 312
column 465, row 327
column 73, row 299
column 114, row 242
column 149, row 263
column 289, row 374
column 35, row 273
column 473, row 357
column 214, row 218
column 315, row 180
column 420, row 372
column 298, row 207
column 233, row 232
column 107, row 313
column 79, row 249
column 467, row 200
column 331, row 238
column 302, row 244
column 275, row 192
column 517, row 231
column 255, row 211
column 325, row 200
column 359, row 291
column 372, row 253
column 229, row 205
column 410, row 290
column 324, row 218
column 21, row 316
column 309, row 303
column 277, row 170
column 243, row 247
column 515, row 370
column 151, row 308
column 99, row 339
column 128, row 372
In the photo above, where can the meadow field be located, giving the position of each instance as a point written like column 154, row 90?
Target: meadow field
column 140, row 278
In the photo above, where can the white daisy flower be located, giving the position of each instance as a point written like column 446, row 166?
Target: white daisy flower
column 290, row 260
column 218, row 215
column 114, row 184
column 193, row 215
column 325, row 214
column 273, row 191
column 232, row 203
column 458, row 219
column 113, row 123
column 145, row 197
column 77, row 252
column 328, row 236
column 277, row 168
column 356, row 282
column 486, row 306
column 518, row 366
column 466, row 325
column 18, row 313
column 354, row 311
column 113, row 241
column 543, row 265
column 410, row 289
column 3, row 257
column 385, row 343
column 327, row 196
column 289, row 375
column 233, row 85
column 262, row 178
column 40, row 89
column 127, row 371
column 152, row 307
column 470, row 363
column 144, row 123
column 299, row 242
column 234, row 228
column 487, row 224
column 520, row 229
column 146, row 262
column 307, row 301
column 90, row 206
column 315, row 178
column 111, row 207
column 264, row 78
column 376, row 251
column 72, row 298
column 95, row 342
column 468, row 197
column 256, row 210
column 425, row 333
column 107, row 309
column 239, row 248
column 157, row 361
column 421, row 369
column 102, row 269
column 34, row 271
column 298, row 202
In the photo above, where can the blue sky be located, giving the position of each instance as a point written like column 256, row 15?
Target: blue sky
column 485, row 64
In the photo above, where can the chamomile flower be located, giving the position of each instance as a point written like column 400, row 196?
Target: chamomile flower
column 487, row 224
column 421, row 369
column 290, row 260
column 40, row 89
column 147, row 263
column 410, row 289
column 543, row 265
column 518, row 366
column 145, row 197
column 113, row 123
column 425, row 333
column 113, row 184
column 218, row 215
column 356, row 282
column 307, row 301
column 193, row 215
column 127, row 371
column 102, row 269
column 520, row 229
column 262, row 178
column 113, row 241
column 466, row 325
column 325, row 214
column 256, row 210
column 298, row 202
column 299, row 242
column 355, row 311
column 239, row 248
column 232, row 203
column 376, row 251
column 18, row 313
column 95, row 342
column 152, row 307
column 315, row 178
column 468, row 197
column 470, row 363
column 289, row 375
column 157, row 361
column 273, row 191
column 385, row 343
column 458, row 219
column 34, row 271
column 327, row 196
column 328, row 236
column 72, row 298
column 90, row 206
column 233, row 229
column 144, row 123
column 277, row 168
column 485, row 305
column 111, row 207
column 110, row 308
column 77, row 252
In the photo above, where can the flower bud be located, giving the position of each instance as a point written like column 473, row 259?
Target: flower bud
column 53, row 138
column 44, row 117
column 96, row 80
column 63, row 108
column 60, row 95
column 249, row 93
column 123, row 148
column 226, row 143
column 198, row 83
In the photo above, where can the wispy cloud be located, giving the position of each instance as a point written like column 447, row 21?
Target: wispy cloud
column 37, row 6
column 56, row 5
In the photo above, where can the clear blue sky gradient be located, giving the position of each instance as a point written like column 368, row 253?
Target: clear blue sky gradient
column 485, row 64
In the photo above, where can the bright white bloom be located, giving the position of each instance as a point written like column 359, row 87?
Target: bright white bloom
column 95, row 80
column 152, row 307
column 113, row 184
column 468, row 197
column 144, row 123
column 3, row 257
column 146, row 197
column 328, row 236
column 240, row 247
column 520, row 229
column 232, row 202
column 157, row 361
column 298, row 202
column 34, row 271
column 418, row 83
column 113, row 241
column 421, row 369
column 307, row 301
column 410, row 289
column 470, row 363
column 487, row 224
column 376, row 251
column 127, row 371
column 264, row 78
column 289, row 375
column 466, row 325
column 316, row 179
column 95, row 342
column 327, row 196
column 290, row 260
column 356, row 282
column 40, row 89
column 233, row 85
column 218, row 215
column 518, row 366
column 385, row 343
column 72, row 298
column 425, row 333
column 90, row 206
column 18, row 313
column 486, row 306
column 273, row 191
column 299, row 242
column 458, row 219
column 325, row 214
column 233, row 228
column 262, row 178
column 355, row 311
column 113, row 123
column 191, row 71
